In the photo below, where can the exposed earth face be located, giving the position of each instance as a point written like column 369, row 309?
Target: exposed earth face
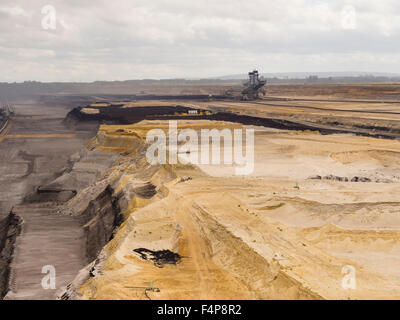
column 276, row 234
column 318, row 218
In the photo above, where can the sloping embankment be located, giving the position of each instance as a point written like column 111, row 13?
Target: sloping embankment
column 10, row 227
column 131, row 183
column 51, row 231
column 214, row 263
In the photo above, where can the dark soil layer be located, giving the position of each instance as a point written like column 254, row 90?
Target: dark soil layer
column 101, row 217
column 10, row 227
column 117, row 115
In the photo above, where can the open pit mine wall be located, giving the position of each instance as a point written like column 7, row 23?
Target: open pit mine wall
column 102, row 216
column 119, row 115
column 10, row 227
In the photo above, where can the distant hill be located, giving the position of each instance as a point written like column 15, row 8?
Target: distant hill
column 215, row 85
column 304, row 75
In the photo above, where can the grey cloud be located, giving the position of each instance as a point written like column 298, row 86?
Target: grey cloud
column 125, row 39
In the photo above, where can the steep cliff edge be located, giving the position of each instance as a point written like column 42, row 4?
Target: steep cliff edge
column 10, row 227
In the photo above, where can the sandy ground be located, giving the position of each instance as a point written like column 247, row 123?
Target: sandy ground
column 276, row 234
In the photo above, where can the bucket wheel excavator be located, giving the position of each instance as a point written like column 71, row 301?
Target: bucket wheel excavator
column 254, row 86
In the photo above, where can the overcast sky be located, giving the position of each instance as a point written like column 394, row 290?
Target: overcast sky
column 134, row 39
